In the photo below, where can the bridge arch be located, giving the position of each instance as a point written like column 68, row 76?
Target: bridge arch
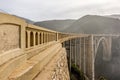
column 106, row 48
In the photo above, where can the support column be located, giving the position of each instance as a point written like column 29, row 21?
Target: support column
column 70, row 55
column 38, row 38
column 34, row 38
column 72, row 51
column 109, row 46
column 80, row 54
column 75, row 52
column 28, row 44
column 84, row 56
column 41, row 37
column 90, row 59
column 44, row 37
column 57, row 36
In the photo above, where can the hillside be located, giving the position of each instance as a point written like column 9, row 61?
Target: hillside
column 58, row 25
column 117, row 16
column 95, row 24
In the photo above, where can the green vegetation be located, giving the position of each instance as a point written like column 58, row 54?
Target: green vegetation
column 76, row 74
column 102, row 78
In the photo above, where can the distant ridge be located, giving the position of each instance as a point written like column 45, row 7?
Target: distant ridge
column 93, row 24
column 58, row 25
column 114, row 16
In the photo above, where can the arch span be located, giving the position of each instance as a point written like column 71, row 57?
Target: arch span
column 106, row 48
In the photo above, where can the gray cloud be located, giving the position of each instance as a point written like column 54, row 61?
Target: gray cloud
column 58, row 9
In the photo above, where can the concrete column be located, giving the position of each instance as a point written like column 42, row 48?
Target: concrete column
column 34, row 38
column 44, row 37
column 70, row 55
column 22, row 36
column 57, row 36
column 77, row 55
column 28, row 42
column 38, row 38
column 47, row 37
column 41, row 37
column 75, row 52
column 72, row 50
column 80, row 54
column 90, row 59
column 84, row 56
column 50, row 36
column 109, row 47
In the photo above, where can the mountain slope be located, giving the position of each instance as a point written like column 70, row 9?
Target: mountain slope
column 58, row 25
column 95, row 24
column 117, row 16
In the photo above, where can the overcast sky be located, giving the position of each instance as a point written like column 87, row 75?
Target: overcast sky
column 39, row 10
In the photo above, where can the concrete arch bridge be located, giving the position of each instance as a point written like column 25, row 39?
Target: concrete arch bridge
column 29, row 52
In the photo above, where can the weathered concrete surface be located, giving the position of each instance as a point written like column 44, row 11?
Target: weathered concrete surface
column 57, row 69
column 7, row 68
column 37, row 49
column 36, row 64
column 9, row 37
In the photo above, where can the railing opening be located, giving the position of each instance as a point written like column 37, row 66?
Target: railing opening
column 31, row 39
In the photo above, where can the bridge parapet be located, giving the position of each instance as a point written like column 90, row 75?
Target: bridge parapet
column 21, row 41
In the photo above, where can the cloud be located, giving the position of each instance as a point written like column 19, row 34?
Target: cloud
column 58, row 9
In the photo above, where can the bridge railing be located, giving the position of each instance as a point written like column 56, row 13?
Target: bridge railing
column 16, row 36
column 35, row 35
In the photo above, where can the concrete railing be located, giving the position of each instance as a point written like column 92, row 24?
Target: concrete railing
column 16, row 35
column 20, row 42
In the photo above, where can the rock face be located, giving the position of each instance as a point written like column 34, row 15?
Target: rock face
column 57, row 69
column 61, row 70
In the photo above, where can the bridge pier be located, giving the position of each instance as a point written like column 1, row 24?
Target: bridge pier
column 80, row 53
column 70, row 54
column 75, row 52
column 83, row 55
column 90, row 59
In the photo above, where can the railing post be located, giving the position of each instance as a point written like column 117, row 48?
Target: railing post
column 22, row 37
column 34, row 36
column 38, row 38
column 28, row 42
column 41, row 37
column 57, row 36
